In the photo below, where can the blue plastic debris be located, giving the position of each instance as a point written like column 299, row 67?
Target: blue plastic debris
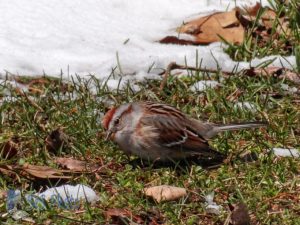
column 65, row 197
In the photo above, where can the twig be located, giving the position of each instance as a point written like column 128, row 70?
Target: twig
column 282, row 73
column 170, row 67
column 173, row 66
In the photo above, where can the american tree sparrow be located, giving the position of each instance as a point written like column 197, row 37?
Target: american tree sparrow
column 155, row 131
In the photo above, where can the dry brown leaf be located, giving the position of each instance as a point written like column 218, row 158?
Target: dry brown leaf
column 239, row 214
column 3, row 194
column 275, row 72
column 44, row 172
column 252, row 11
column 292, row 76
column 231, row 26
column 7, row 171
column 165, row 193
column 176, row 40
column 267, row 19
column 117, row 214
column 76, row 165
column 208, row 29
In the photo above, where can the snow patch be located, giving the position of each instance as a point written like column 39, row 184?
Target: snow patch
column 245, row 106
column 291, row 90
column 97, row 37
column 202, row 85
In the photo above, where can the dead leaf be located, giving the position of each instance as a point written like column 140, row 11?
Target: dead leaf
column 44, row 172
column 8, row 150
column 8, row 171
column 208, row 29
column 252, row 11
column 239, row 214
column 76, row 165
column 3, row 194
column 232, row 25
column 165, row 193
column 117, row 214
column 275, row 72
column 56, row 140
column 176, row 40
column 266, row 20
column 292, row 76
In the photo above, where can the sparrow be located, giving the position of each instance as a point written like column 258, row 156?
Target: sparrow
column 160, row 132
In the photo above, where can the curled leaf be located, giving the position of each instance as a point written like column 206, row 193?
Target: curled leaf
column 76, row 165
column 214, row 27
column 44, row 172
column 165, row 193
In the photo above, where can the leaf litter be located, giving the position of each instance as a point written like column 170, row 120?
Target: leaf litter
column 239, row 215
column 232, row 27
column 76, row 165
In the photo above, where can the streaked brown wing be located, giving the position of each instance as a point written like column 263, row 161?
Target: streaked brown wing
column 169, row 130
column 174, row 134
column 177, row 132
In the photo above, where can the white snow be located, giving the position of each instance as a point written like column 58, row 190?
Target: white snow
column 85, row 37
column 246, row 106
column 287, row 88
column 202, row 85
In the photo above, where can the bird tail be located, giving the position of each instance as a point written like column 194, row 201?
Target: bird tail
column 235, row 126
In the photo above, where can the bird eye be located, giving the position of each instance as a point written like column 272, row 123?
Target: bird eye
column 117, row 121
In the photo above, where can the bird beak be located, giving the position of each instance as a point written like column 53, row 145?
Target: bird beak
column 108, row 135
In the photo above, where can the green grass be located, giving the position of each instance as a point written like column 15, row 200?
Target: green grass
column 260, row 184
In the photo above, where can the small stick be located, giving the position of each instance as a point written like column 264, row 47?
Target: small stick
column 273, row 71
column 170, row 67
column 173, row 66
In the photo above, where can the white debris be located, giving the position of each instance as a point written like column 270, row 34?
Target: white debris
column 289, row 89
column 65, row 196
column 211, row 206
column 203, row 85
column 165, row 192
column 66, row 192
column 286, row 152
column 245, row 106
